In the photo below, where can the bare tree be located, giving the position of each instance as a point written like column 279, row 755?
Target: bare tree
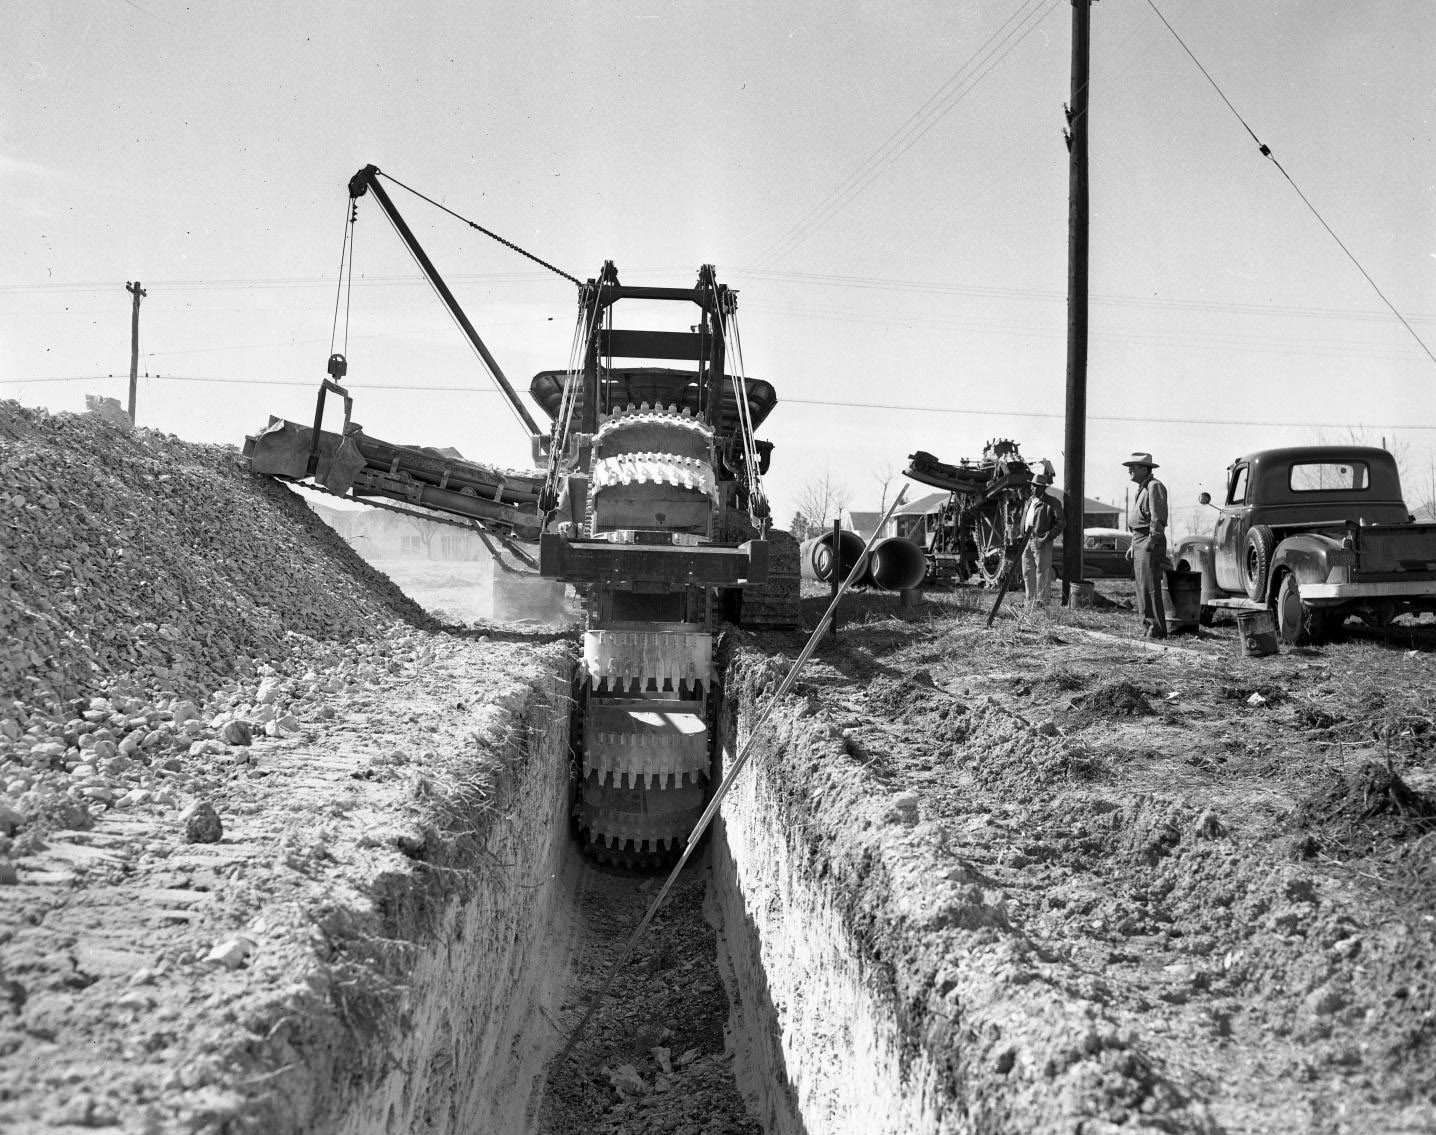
column 425, row 530
column 885, row 475
column 1421, row 494
column 1360, row 435
column 822, row 498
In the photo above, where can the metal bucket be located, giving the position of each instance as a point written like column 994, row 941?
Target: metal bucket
column 1184, row 592
column 1083, row 594
column 1258, row 633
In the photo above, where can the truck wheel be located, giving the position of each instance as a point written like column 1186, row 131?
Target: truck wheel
column 1256, row 562
column 1296, row 623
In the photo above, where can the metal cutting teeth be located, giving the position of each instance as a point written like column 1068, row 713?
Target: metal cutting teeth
column 652, row 469
column 645, row 745
column 657, row 409
column 622, row 659
column 622, row 422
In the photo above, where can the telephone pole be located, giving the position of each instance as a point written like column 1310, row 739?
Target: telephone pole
column 139, row 293
column 1076, row 440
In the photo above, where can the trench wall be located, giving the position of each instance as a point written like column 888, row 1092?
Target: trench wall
column 880, row 980
column 478, row 1020
column 820, row 1043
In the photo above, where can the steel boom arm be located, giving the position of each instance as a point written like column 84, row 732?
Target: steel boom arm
column 366, row 180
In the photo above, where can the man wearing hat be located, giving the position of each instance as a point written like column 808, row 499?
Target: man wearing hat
column 1148, row 553
column 1042, row 520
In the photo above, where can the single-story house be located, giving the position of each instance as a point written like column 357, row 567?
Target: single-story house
column 915, row 520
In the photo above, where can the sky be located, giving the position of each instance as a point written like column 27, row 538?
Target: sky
column 885, row 184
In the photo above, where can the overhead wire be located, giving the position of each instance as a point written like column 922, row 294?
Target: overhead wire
column 833, row 403
column 1266, row 153
column 1001, row 42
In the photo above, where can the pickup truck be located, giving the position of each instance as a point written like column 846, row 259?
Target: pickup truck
column 1316, row 533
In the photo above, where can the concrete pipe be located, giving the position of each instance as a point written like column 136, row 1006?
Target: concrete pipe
column 819, row 553
column 896, row 564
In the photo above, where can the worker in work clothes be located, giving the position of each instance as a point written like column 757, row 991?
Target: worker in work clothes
column 1148, row 553
column 1042, row 522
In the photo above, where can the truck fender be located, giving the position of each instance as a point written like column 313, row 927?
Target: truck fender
column 1306, row 555
column 1198, row 553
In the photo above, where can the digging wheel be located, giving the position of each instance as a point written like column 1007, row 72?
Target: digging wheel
column 990, row 536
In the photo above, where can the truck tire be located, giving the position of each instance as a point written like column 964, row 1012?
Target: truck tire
column 1256, row 562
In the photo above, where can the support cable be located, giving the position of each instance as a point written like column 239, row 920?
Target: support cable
column 728, row 777
column 480, row 228
column 345, row 257
column 1266, row 153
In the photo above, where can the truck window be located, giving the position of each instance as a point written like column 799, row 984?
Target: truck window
column 1237, row 493
column 1326, row 476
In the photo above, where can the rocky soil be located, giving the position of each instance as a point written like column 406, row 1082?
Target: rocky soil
column 1223, row 868
column 1121, row 885
column 225, row 740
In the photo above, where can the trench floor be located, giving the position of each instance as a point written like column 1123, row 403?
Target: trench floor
column 655, row 1058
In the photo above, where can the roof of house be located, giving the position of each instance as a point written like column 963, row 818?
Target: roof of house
column 1089, row 505
column 930, row 503
column 864, row 522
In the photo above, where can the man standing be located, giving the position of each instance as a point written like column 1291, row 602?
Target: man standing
column 1148, row 553
column 1042, row 521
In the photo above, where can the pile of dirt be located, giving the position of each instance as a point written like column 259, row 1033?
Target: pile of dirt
column 135, row 557
column 1368, row 805
column 144, row 576
column 1120, row 698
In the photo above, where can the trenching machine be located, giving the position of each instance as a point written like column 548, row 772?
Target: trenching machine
column 649, row 502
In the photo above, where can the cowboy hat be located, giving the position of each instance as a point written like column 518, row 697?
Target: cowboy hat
column 1141, row 459
column 1042, row 479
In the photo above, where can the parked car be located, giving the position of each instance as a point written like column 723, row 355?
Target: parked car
column 1316, row 533
column 1104, row 554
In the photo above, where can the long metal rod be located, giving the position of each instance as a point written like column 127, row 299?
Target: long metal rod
column 722, row 790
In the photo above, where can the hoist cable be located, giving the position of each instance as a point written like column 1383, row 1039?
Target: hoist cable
column 339, row 287
column 480, row 228
column 1266, row 153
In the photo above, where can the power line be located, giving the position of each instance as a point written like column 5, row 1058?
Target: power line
column 1001, row 43
column 830, row 403
column 888, row 283
column 1266, row 153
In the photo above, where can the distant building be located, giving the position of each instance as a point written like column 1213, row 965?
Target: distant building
column 380, row 534
column 863, row 523
column 1095, row 513
column 917, row 519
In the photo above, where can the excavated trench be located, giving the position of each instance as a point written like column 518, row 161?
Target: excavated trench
column 760, row 999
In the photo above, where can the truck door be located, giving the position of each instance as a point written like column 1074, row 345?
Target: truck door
column 1231, row 531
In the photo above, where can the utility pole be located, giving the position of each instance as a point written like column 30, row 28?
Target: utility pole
column 139, row 293
column 1075, row 453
